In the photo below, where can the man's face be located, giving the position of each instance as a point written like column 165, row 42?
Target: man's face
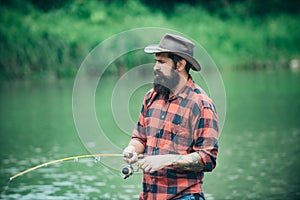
column 165, row 75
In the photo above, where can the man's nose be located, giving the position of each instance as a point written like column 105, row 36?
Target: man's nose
column 156, row 67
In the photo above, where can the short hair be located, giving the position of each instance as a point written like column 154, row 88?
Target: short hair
column 177, row 58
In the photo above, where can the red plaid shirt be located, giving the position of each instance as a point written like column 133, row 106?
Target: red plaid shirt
column 183, row 124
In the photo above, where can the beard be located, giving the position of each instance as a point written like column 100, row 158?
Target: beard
column 163, row 85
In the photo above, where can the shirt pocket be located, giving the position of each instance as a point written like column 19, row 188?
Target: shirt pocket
column 181, row 139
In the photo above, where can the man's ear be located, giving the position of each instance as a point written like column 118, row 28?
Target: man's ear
column 181, row 65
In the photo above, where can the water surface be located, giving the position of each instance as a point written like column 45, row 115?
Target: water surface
column 258, row 145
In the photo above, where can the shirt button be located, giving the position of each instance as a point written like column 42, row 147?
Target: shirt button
column 162, row 116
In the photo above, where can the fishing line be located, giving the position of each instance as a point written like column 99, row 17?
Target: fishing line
column 75, row 158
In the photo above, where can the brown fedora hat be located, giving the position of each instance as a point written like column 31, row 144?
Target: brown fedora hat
column 178, row 45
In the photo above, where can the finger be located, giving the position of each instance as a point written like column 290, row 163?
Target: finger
column 133, row 158
column 128, row 154
column 142, row 161
column 140, row 156
column 128, row 151
column 131, row 161
column 148, row 168
column 126, row 160
column 143, row 164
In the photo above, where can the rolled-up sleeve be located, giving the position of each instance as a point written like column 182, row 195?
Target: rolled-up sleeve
column 139, row 133
column 206, row 134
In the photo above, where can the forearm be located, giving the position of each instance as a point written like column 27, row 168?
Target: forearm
column 191, row 162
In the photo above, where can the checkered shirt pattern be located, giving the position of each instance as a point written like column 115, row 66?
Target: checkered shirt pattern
column 183, row 124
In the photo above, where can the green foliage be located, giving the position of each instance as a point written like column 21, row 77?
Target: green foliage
column 53, row 39
column 251, row 43
column 224, row 7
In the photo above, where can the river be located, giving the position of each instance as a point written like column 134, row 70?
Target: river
column 258, row 144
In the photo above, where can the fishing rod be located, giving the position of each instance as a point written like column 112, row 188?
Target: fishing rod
column 75, row 158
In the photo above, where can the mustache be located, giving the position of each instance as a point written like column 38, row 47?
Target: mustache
column 159, row 73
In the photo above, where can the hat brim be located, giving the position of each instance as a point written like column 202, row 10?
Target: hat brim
column 154, row 48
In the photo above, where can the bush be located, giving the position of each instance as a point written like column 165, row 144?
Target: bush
column 55, row 41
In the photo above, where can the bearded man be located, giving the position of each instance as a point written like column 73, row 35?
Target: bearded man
column 177, row 129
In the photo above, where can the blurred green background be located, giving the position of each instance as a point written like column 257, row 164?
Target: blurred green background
column 255, row 45
column 46, row 38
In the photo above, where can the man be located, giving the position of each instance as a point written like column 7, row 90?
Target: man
column 177, row 130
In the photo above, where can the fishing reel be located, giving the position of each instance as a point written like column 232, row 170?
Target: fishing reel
column 127, row 171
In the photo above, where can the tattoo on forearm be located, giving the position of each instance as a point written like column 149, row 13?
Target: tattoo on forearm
column 191, row 162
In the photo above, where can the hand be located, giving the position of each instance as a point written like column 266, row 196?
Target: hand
column 154, row 163
column 130, row 155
